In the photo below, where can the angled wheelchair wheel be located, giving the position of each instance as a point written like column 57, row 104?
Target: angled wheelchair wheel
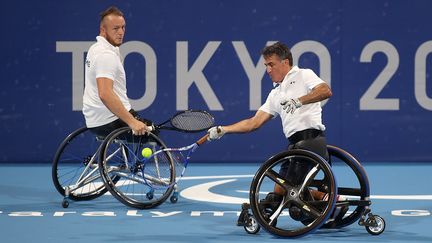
column 353, row 184
column 75, row 171
column 134, row 180
column 297, row 212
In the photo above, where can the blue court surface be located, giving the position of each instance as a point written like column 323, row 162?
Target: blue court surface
column 210, row 199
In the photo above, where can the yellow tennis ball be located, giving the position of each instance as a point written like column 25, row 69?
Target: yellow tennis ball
column 146, row 152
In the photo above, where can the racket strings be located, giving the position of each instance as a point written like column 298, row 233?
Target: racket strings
column 180, row 162
column 193, row 121
column 157, row 169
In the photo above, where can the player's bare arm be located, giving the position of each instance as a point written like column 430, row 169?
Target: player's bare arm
column 243, row 126
column 113, row 103
column 250, row 124
column 319, row 93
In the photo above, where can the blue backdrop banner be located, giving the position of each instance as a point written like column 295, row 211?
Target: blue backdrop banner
column 203, row 54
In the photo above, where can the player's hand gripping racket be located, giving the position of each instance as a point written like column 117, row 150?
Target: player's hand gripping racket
column 159, row 168
column 188, row 121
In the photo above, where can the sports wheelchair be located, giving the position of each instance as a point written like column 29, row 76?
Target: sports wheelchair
column 86, row 167
column 298, row 212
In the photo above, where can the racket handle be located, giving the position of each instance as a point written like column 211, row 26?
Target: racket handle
column 151, row 128
column 202, row 140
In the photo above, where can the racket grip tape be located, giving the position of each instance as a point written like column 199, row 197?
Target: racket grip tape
column 202, row 140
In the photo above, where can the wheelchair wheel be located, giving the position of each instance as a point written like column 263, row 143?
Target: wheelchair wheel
column 138, row 177
column 355, row 188
column 296, row 213
column 75, row 167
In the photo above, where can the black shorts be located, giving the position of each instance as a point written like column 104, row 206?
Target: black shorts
column 104, row 130
column 311, row 140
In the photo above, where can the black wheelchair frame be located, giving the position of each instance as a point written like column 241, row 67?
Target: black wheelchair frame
column 298, row 213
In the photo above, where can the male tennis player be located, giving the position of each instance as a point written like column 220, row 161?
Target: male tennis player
column 296, row 99
column 106, row 105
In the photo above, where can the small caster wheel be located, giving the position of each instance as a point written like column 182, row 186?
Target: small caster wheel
column 65, row 203
column 150, row 195
column 375, row 225
column 173, row 199
column 251, row 225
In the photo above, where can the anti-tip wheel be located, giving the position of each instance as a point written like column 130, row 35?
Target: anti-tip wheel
column 65, row 203
column 251, row 225
column 173, row 199
column 380, row 225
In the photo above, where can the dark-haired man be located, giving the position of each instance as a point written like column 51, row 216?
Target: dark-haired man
column 296, row 99
column 106, row 105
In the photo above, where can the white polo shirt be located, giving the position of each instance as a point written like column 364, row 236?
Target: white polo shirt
column 103, row 61
column 298, row 82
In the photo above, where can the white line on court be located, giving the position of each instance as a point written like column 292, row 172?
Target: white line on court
column 383, row 197
column 387, row 197
column 201, row 192
column 216, row 177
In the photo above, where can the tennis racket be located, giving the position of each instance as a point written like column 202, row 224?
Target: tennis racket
column 188, row 121
column 158, row 168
